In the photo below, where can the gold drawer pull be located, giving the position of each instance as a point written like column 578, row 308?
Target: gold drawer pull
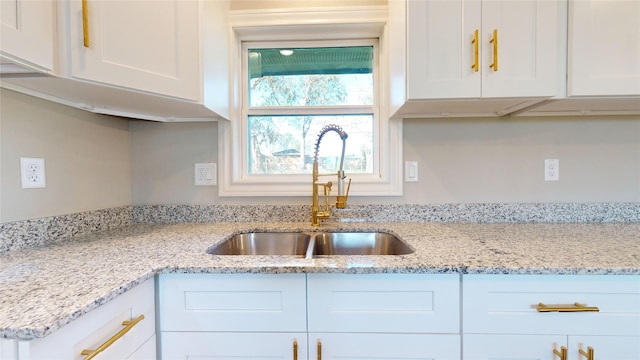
column 85, row 23
column 576, row 307
column 128, row 325
column 562, row 353
column 319, row 350
column 494, row 41
column 589, row 354
column 295, row 350
column 475, row 51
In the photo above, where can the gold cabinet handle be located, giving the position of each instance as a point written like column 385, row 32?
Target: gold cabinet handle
column 128, row 325
column 319, row 350
column 475, row 51
column 589, row 354
column 562, row 353
column 494, row 41
column 575, row 307
column 85, row 23
column 295, row 350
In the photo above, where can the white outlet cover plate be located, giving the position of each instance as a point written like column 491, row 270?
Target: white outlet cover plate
column 551, row 170
column 205, row 174
column 411, row 171
column 32, row 173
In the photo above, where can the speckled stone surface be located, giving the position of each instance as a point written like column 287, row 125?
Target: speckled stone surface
column 477, row 213
column 38, row 232
column 44, row 288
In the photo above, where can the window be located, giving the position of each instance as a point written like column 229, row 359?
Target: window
column 292, row 80
column 293, row 92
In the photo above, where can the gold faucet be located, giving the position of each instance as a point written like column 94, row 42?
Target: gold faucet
column 341, row 200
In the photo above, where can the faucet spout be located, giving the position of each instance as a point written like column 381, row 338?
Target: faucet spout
column 341, row 202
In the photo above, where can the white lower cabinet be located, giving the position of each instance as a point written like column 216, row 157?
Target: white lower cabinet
column 345, row 346
column 501, row 317
column 133, row 310
column 313, row 316
column 239, row 346
column 239, row 316
column 383, row 316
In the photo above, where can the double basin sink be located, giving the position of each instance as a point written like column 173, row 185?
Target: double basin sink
column 312, row 244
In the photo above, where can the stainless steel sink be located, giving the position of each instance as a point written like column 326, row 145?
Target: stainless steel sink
column 312, row 244
column 359, row 243
column 264, row 243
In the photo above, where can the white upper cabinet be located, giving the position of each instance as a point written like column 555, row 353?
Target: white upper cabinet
column 526, row 51
column 509, row 54
column 27, row 29
column 604, row 48
column 153, row 60
column 439, row 49
column 144, row 45
column 452, row 52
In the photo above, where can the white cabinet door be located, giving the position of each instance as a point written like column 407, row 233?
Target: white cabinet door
column 443, row 63
column 540, row 347
column 605, row 347
column 439, row 49
column 604, row 48
column 237, row 346
column 526, row 49
column 27, row 28
column 334, row 346
column 512, row 347
column 151, row 46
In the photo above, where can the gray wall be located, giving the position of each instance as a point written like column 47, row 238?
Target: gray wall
column 502, row 160
column 163, row 157
column 87, row 158
column 460, row 161
column 96, row 162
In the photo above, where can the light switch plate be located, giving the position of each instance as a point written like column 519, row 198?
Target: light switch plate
column 411, row 171
column 205, row 174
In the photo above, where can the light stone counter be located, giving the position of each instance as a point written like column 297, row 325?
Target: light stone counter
column 42, row 289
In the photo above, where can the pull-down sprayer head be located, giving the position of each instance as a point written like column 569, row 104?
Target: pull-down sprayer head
column 343, row 136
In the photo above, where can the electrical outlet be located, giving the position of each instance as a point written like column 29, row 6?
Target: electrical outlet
column 32, row 173
column 551, row 170
column 205, row 174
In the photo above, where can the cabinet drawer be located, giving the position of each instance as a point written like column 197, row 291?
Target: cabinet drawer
column 409, row 303
column 96, row 327
column 507, row 304
column 232, row 302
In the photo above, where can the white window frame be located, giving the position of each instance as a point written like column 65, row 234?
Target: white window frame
column 344, row 24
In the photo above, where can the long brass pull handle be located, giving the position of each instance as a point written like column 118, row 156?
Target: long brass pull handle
column 128, row 325
column 589, row 354
column 295, row 350
column 475, row 51
column 85, row 23
column 576, row 307
column 319, row 350
column 562, row 353
column 494, row 41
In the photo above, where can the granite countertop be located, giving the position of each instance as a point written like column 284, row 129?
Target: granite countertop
column 42, row 289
